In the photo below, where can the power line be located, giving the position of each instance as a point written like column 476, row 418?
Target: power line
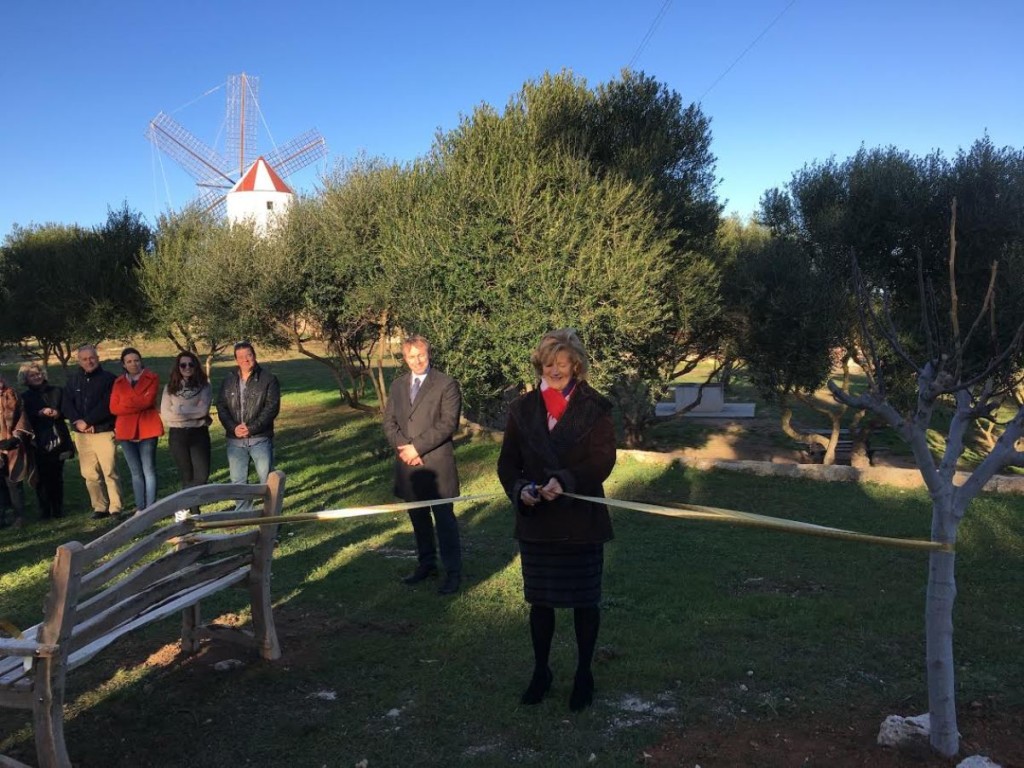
column 746, row 50
column 650, row 33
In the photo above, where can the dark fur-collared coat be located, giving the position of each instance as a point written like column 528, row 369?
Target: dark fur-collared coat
column 579, row 452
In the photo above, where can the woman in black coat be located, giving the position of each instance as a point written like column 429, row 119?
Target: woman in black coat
column 560, row 438
column 53, row 445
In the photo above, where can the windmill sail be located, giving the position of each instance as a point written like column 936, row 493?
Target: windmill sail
column 243, row 108
column 214, row 173
column 200, row 161
column 297, row 153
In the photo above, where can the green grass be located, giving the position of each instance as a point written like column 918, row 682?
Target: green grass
column 693, row 612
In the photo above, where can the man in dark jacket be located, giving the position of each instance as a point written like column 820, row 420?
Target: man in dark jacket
column 420, row 420
column 87, row 407
column 248, row 403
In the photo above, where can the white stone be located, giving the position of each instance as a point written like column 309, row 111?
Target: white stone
column 393, row 713
column 228, row 664
column 324, row 695
column 897, row 731
column 977, row 761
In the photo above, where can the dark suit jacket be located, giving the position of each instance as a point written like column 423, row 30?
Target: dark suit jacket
column 429, row 425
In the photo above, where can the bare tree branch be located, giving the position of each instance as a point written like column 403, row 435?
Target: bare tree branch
column 989, row 298
column 991, row 368
column 926, row 326
column 954, row 311
column 1004, row 454
column 955, row 437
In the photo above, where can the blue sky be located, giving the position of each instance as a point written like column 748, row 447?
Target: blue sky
column 80, row 81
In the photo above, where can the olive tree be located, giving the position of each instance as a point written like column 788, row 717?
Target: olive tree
column 936, row 247
column 208, row 284
column 337, row 242
column 66, row 284
column 563, row 209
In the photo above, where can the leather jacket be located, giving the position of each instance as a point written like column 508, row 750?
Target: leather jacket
column 259, row 407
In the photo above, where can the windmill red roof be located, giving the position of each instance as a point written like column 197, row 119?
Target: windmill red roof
column 260, row 178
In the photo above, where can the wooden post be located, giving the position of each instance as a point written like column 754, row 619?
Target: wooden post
column 259, row 577
column 50, row 671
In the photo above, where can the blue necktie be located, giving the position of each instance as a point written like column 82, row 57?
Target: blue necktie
column 414, row 391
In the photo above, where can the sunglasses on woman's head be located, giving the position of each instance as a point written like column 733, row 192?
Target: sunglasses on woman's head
column 188, row 364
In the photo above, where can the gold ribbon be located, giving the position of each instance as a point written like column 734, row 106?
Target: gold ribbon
column 334, row 514
column 698, row 512
column 681, row 511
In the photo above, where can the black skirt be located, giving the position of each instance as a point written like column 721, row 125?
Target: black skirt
column 562, row 574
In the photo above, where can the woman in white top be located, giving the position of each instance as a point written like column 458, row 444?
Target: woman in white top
column 185, row 409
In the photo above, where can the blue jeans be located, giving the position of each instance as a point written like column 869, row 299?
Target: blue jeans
column 141, row 458
column 239, row 453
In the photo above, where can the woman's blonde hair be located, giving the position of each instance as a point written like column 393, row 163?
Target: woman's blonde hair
column 563, row 340
column 26, row 369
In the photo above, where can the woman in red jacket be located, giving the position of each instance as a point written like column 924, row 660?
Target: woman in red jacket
column 138, row 425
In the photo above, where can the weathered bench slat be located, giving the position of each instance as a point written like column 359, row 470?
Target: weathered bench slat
column 25, row 648
column 101, row 574
column 166, row 609
column 16, row 698
column 152, row 597
column 186, row 499
column 162, row 567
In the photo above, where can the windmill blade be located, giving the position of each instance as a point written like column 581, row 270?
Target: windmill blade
column 201, row 162
column 212, row 203
column 297, row 153
column 242, row 113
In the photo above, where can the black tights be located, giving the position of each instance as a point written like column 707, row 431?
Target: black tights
column 587, row 621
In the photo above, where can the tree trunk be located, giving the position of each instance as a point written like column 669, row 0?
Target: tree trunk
column 810, row 438
column 939, row 632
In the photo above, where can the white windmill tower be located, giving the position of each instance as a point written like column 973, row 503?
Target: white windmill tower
column 240, row 183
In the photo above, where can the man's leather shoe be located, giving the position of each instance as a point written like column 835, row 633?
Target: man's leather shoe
column 450, row 585
column 422, row 573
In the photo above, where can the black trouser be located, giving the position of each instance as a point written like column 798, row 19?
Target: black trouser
column 447, row 536
column 190, row 449
column 50, row 487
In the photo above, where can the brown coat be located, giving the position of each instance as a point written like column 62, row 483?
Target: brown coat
column 14, row 423
column 579, row 452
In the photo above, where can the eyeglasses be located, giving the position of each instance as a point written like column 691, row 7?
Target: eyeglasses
column 186, row 365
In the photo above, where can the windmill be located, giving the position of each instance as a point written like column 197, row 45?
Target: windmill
column 240, row 182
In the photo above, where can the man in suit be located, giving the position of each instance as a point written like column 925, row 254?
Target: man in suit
column 420, row 420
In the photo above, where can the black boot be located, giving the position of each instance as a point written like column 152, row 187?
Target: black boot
column 582, row 695
column 542, row 631
column 539, row 685
column 587, row 622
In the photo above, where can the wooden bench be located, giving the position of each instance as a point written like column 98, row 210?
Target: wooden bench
column 147, row 568
column 844, row 446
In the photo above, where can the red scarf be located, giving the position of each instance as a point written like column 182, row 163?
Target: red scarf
column 556, row 401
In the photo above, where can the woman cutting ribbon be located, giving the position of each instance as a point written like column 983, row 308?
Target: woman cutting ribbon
column 560, row 439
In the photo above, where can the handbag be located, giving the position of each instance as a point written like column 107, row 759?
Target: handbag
column 55, row 438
